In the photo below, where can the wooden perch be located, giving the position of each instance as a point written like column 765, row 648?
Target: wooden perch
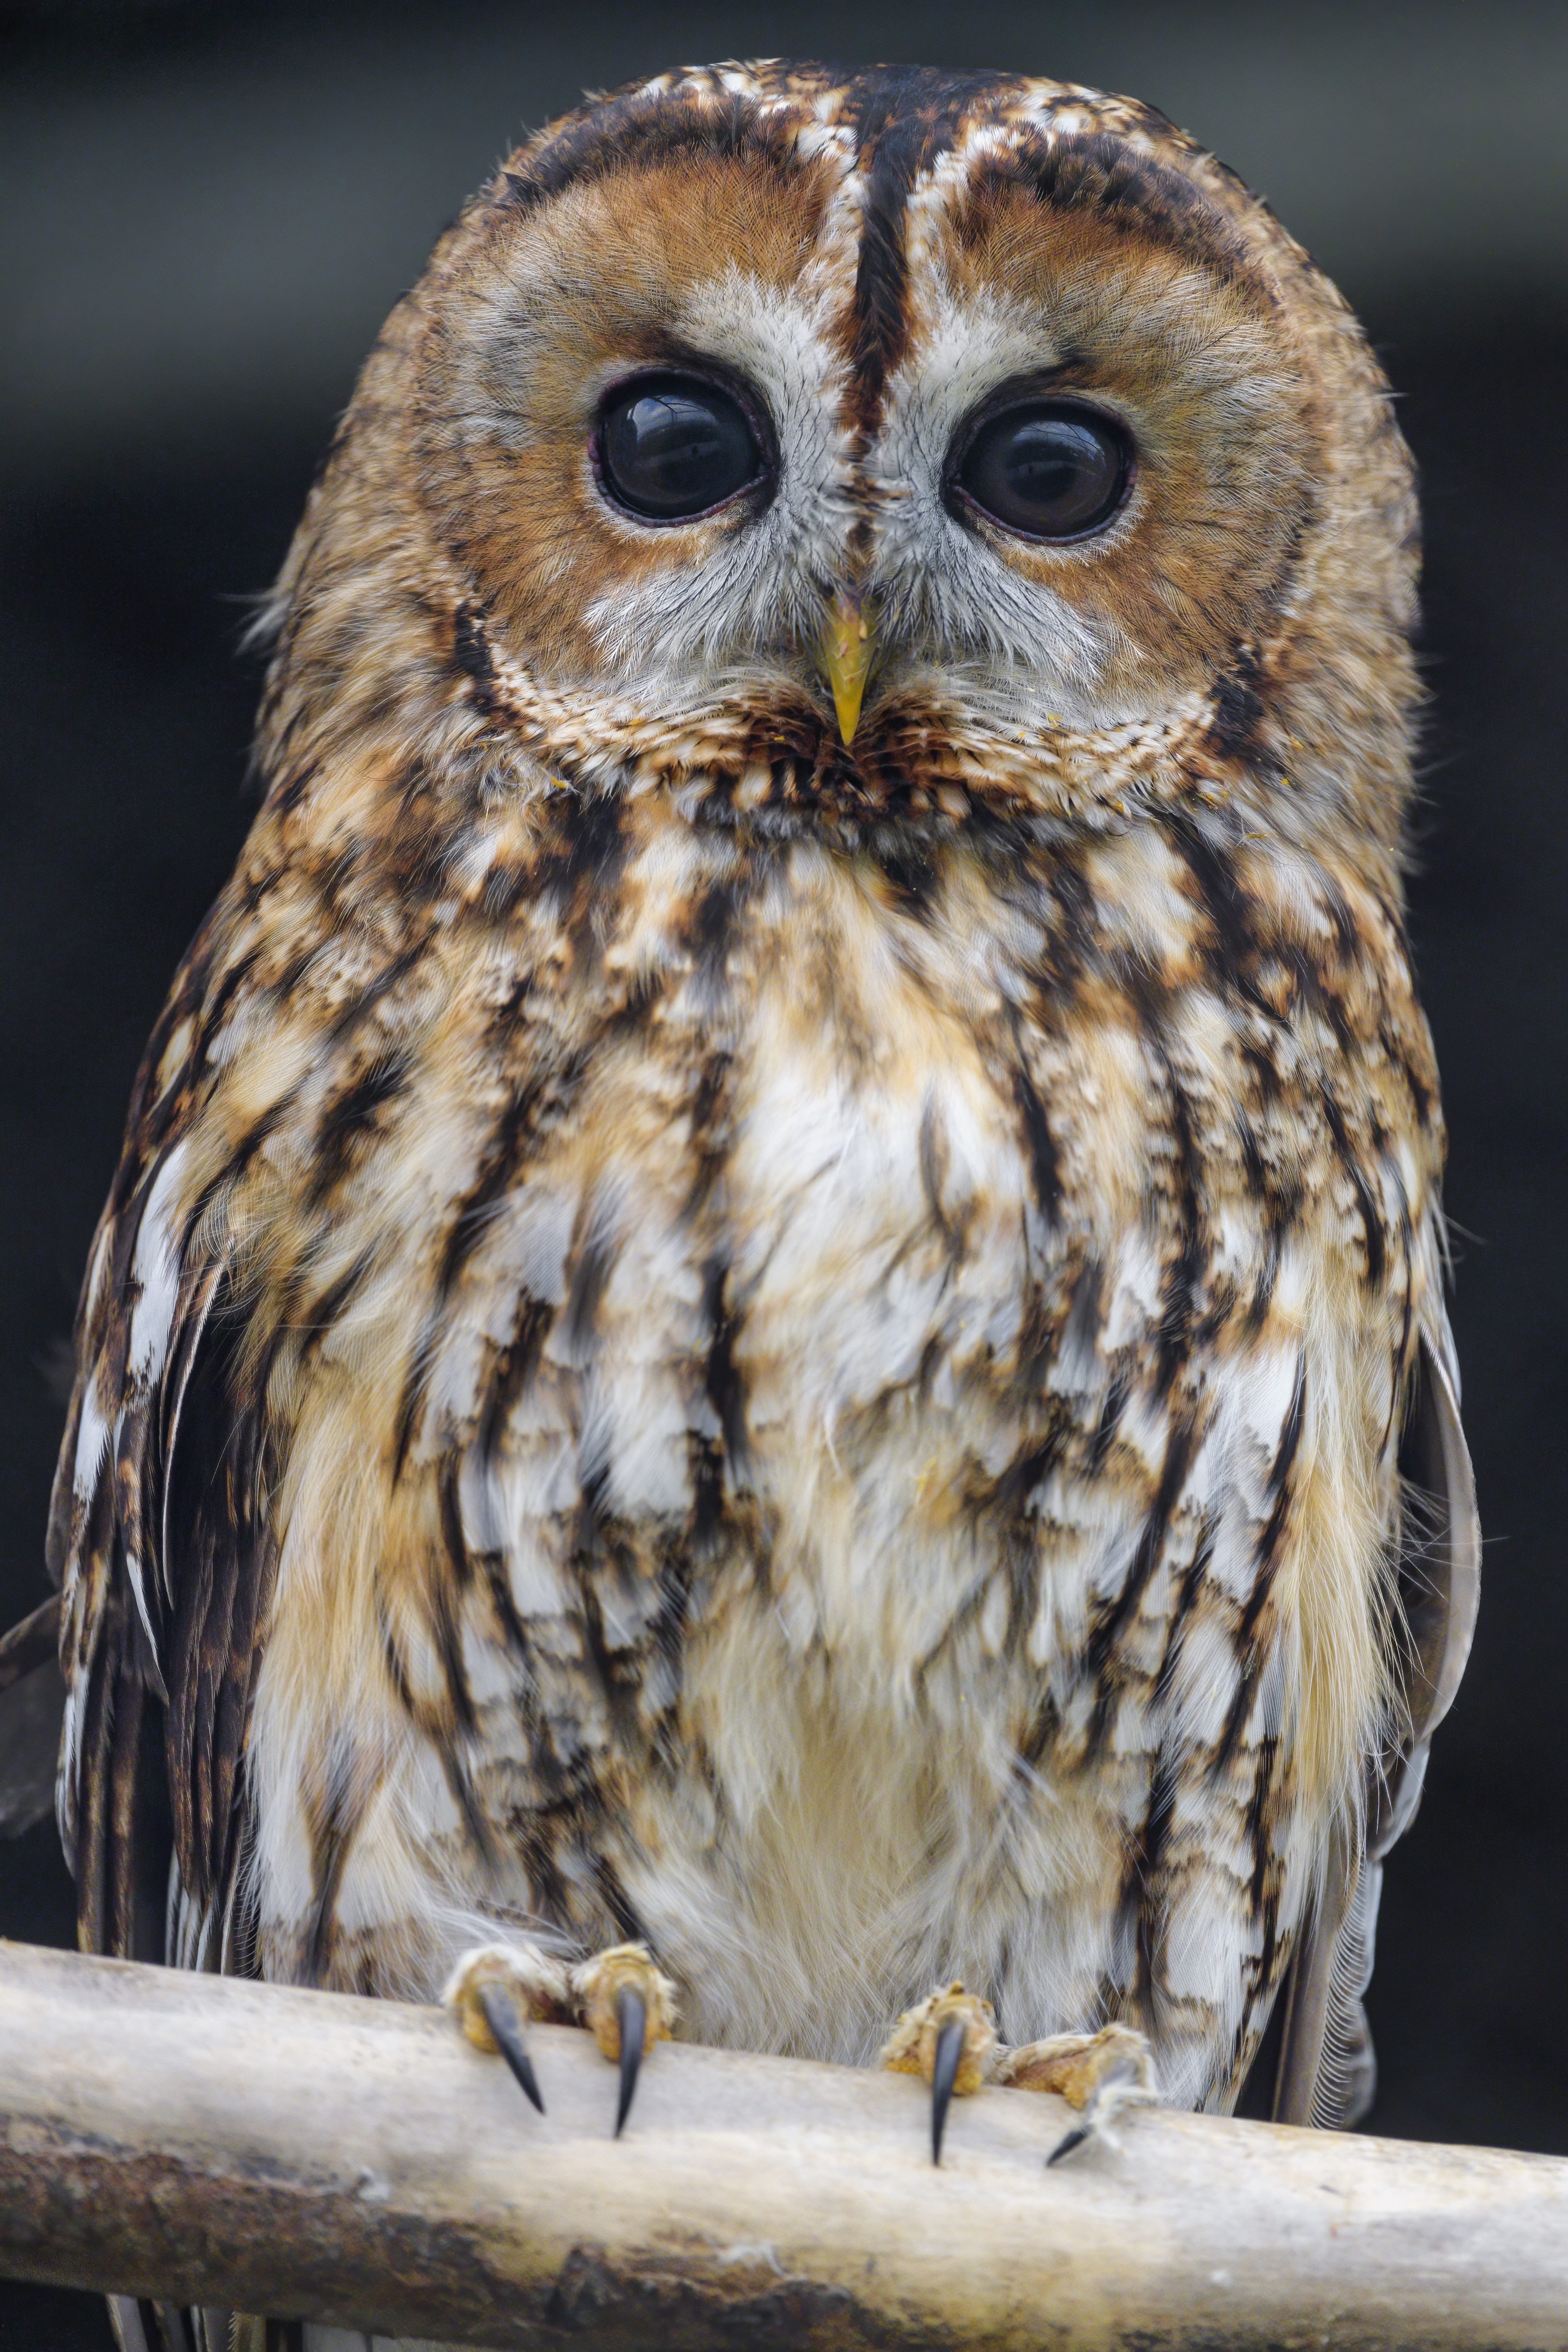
column 305, row 2153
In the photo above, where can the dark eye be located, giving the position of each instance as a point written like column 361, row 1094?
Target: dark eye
column 673, row 447
column 1047, row 470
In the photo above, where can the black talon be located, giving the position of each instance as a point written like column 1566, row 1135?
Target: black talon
column 631, row 2017
column 949, row 2051
column 501, row 2019
column 1064, row 2147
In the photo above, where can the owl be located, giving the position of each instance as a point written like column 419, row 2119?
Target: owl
column 769, row 1357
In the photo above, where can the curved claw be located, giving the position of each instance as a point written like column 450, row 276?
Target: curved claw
column 1066, row 2145
column 501, row 2018
column 631, row 2017
column 943, row 2073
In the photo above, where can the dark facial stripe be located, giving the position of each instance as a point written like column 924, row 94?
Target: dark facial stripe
column 904, row 118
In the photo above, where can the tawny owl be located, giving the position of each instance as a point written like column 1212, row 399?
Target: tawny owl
column 772, row 1331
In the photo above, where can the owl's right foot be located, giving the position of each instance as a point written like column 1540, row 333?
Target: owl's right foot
column 498, row 1989
column 628, row 2006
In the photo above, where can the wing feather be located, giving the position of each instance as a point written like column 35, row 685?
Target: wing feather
column 157, row 1531
column 1327, row 2073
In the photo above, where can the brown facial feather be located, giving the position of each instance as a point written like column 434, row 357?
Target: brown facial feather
column 1227, row 420
column 542, row 314
column 798, row 1348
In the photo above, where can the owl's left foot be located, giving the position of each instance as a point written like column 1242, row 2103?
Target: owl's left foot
column 950, row 2040
column 1099, row 2075
column 628, row 2005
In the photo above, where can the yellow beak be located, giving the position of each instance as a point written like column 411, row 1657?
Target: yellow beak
column 845, row 650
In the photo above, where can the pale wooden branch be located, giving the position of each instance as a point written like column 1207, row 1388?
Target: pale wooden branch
column 303, row 2153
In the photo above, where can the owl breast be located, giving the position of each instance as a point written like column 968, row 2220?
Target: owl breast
column 872, row 1375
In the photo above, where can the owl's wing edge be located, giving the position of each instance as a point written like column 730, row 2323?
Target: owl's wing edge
column 1327, row 2074
column 159, row 1541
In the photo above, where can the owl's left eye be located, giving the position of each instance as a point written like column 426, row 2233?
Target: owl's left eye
column 1046, row 470
column 671, row 447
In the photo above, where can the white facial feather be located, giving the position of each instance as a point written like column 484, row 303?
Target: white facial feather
column 966, row 617
column 753, row 592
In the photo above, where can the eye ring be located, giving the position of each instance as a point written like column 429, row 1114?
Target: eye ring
column 674, row 445
column 1050, row 470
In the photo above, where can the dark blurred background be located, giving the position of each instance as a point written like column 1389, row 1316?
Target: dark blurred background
column 205, row 211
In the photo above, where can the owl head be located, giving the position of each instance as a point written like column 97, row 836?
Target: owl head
column 875, row 442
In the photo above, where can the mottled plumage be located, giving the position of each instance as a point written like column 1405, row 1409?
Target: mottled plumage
column 794, row 1348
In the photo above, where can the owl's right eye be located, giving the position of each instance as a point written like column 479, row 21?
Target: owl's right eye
column 671, row 447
